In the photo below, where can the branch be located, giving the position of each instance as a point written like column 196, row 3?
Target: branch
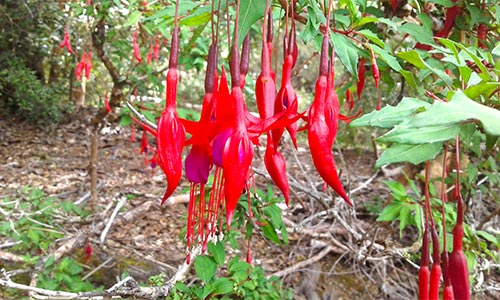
column 306, row 262
column 126, row 288
column 141, row 117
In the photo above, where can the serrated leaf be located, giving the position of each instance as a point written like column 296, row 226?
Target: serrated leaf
column 207, row 290
column 414, row 154
column 458, row 110
column 205, row 267
column 390, row 212
column 223, row 286
column 397, row 189
column 346, row 52
column 406, row 134
column 270, row 232
column 413, row 57
column 218, row 252
column 420, row 33
column 389, row 116
column 483, row 88
column 273, row 212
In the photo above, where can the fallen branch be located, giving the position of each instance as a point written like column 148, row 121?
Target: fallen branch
column 118, row 206
column 306, row 262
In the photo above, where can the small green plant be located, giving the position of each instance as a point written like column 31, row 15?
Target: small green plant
column 23, row 93
column 239, row 281
column 32, row 221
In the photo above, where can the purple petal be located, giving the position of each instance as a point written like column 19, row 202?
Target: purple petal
column 218, row 146
column 197, row 165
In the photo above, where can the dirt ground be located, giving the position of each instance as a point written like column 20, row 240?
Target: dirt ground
column 363, row 260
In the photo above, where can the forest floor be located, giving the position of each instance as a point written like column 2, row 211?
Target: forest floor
column 334, row 252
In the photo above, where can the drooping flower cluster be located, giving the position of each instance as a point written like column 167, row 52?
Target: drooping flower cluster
column 223, row 139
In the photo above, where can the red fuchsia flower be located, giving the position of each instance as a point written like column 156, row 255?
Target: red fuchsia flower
column 199, row 161
column 88, row 251
column 66, row 42
column 144, row 142
column 457, row 266
column 150, row 55
column 107, row 107
column 171, row 133
column 137, row 50
column 80, row 67
column 265, row 94
column 88, row 64
column 321, row 123
column 287, row 97
column 156, row 49
column 361, row 77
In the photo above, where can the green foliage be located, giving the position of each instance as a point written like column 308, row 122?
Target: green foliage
column 33, row 222
column 240, row 281
column 64, row 275
column 31, row 83
column 21, row 92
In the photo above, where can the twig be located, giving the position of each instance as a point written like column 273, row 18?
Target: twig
column 10, row 244
column 10, row 257
column 96, row 269
column 140, row 116
column 304, row 263
column 364, row 184
column 112, row 218
column 87, row 195
column 126, row 288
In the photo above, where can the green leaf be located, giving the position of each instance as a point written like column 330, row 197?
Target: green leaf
column 50, row 261
column 205, row 267
column 372, row 37
column 496, row 50
column 207, row 290
column 218, row 252
column 413, row 57
column 404, row 219
column 346, row 51
column 250, row 12
column 445, row 3
column 223, row 286
column 133, row 18
column 34, row 236
column 387, row 58
column 420, row 33
column 414, row 154
column 390, row 212
column 270, row 232
column 389, row 116
column 125, row 120
column 458, row 110
column 273, row 212
column 365, row 20
column 489, row 237
column 481, row 89
column 410, row 78
column 406, row 134
column 397, row 189
column 196, row 20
